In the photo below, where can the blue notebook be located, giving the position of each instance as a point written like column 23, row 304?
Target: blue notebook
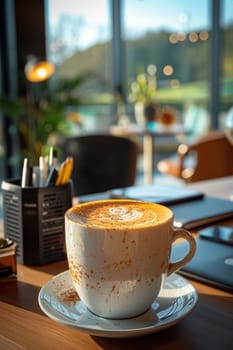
column 202, row 212
column 162, row 194
column 212, row 263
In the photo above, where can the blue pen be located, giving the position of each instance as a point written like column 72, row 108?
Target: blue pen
column 52, row 177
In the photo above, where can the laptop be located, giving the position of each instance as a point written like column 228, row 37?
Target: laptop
column 212, row 263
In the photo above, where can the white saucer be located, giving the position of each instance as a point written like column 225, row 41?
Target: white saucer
column 59, row 301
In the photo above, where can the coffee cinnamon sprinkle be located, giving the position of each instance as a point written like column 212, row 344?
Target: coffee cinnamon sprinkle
column 68, row 296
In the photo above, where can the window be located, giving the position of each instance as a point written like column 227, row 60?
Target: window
column 174, row 36
column 79, row 43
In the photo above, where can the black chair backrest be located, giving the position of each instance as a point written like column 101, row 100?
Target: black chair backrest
column 101, row 162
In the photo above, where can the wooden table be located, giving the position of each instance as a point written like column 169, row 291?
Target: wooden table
column 24, row 326
column 148, row 135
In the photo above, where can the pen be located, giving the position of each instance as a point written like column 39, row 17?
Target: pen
column 35, row 176
column 52, row 157
column 43, row 166
column 52, row 177
column 26, row 174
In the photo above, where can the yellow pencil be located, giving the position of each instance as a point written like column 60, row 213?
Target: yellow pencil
column 60, row 174
column 69, row 164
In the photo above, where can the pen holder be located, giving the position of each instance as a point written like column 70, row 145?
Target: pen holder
column 34, row 219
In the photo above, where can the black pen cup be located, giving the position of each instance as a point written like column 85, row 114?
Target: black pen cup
column 34, row 219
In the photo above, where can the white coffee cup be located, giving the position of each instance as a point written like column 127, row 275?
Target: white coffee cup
column 118, row 253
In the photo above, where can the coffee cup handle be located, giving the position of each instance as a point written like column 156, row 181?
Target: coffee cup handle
column 182, row 233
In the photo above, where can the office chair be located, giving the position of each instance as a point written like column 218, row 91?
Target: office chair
column 101, row 162
column 210, row 156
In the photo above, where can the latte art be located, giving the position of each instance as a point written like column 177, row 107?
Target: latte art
column 123, row 213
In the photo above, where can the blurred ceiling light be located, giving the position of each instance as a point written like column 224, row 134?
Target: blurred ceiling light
column 173, row 38
column 204, row 35
column 193, row 37
column 37, row 70
column 181, row 36
column 151, row 69
column 168, row 70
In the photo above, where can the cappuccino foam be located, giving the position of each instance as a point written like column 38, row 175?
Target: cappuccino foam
column 123, row 213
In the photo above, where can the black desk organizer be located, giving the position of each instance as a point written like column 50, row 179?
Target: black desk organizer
column 34, row 219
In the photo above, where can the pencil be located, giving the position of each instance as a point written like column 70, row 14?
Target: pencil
column 69, row 164
column 60, row 174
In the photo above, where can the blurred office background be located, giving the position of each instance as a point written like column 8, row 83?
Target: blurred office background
column 105, row 44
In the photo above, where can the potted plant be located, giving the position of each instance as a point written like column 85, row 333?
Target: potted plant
column 143, row 91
